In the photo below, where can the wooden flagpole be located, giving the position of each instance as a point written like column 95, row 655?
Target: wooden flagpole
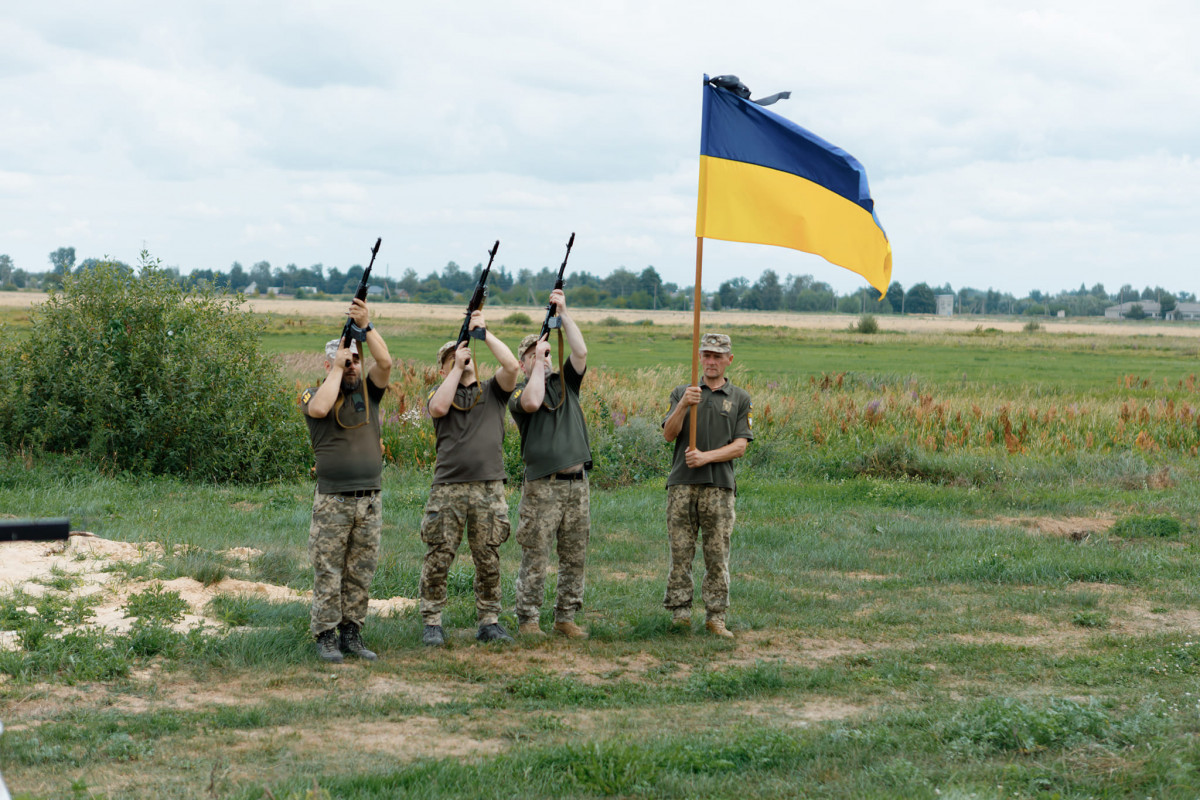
column 696, row 339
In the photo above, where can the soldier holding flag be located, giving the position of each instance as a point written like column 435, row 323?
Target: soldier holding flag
column 701, row 486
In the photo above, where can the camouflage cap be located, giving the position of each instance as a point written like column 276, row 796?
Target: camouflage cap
column 448, row 347
column 526, row 345
column 331, row 348
column 715, row 343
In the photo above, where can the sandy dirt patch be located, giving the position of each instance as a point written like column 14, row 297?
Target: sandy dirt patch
column 909, row 323
column 85, row 563
column 1075, row 528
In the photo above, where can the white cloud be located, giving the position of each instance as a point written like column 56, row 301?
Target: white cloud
column 1007, row 144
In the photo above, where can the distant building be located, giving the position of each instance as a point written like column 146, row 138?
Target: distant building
column 945, row 305
column 1185, row 311
column 1151, row 309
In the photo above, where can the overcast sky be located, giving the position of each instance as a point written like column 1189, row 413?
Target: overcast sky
column 1013, row 145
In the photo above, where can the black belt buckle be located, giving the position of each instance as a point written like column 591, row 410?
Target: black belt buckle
column 569, row 476
column 361, row 493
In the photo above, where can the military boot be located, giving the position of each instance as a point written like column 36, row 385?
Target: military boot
column 493, row 633
column 570, row 630
column 350, row 641
column 681, row 619
column 433, row 636
column 327, row 646
column 530, row 627
column 716, row 626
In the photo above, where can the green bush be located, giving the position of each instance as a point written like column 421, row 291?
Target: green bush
column 145, row 376
column 867, row 324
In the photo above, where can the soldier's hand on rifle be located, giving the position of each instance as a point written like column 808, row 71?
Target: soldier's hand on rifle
column 462, row 356
column 477, row 320
column 344, row 357
column 560, row 301
column 541, row 351
column 691, row 396
column 358, row 313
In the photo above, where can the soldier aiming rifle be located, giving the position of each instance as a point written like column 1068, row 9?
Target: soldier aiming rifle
column 468, row 477
column 344, row 427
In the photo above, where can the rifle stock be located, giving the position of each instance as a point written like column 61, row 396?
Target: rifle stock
column 551, row 310
column 478, row 297
column 361, row 292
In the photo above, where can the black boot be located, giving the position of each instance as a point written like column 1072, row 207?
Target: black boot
column 433, row 636
column 351, row 642
column 492, row 633
column 327, row 646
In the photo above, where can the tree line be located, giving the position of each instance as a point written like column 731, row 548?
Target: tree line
column 621, row 288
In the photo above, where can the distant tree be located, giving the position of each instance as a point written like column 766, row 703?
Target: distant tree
column 585, row 296
column 620, row 283
column 1135, row 312
column 920, row 300
column 895, row 296
column 649, row 281
column 6, row 269
column 731, row 292
column 1168, row 303
column 768, row 294
column 238, row 279
column 409, row 281
column 850, row 304
column 260, row 273
column 456, row 279
column 63, row 260
column 500, row 279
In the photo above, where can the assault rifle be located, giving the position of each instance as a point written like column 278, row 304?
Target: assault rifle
column 552, row 319
column 477, row 299
column 350, row 330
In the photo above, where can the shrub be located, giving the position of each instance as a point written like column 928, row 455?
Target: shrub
column 146, row 376
column 518, row 318
column 1032, row 327
column 867, row 324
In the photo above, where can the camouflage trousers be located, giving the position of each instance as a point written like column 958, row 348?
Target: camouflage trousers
column 553, row 513
column 481, row 508
column 692, row 508
column 343, row 546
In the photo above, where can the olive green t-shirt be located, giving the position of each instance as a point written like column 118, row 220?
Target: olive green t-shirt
column 346, row 441
column 470, row 437
column 552, row 441
column 723, row 415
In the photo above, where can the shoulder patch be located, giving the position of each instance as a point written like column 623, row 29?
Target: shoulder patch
column 429, row 396
column 304, row 398
column 517, row 393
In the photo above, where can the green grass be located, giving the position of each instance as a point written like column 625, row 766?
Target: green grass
column 904, row 629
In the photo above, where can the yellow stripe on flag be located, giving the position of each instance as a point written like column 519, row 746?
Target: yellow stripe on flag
column 741, row 202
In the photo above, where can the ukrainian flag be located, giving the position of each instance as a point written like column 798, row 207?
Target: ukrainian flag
column 766, row 180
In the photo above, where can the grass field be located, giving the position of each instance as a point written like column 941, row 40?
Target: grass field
column 964, row 566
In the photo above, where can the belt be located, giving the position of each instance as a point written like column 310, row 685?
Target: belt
column 360, row 493
column 567, row 476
